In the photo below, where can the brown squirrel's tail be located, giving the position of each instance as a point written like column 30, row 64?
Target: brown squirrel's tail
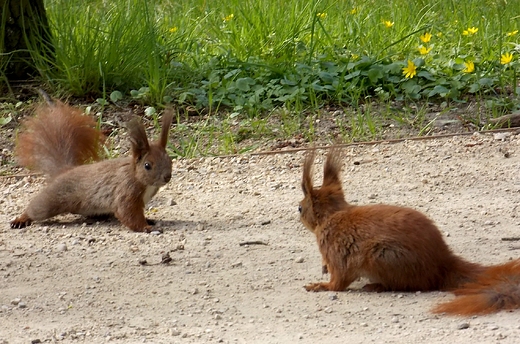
column 57, row 138
column 497, row 288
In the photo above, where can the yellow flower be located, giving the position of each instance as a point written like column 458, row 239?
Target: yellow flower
column 512, row 33
column 426, row 37
column 410, row 71
column 424, row 50
column 228, row 17
column 506, row 58
column 354, row 11
column 173, row 29
column 321, row 15
column 388, row 23
column 470, row 31
column 470, row 67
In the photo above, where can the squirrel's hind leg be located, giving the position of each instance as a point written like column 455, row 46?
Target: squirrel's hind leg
column 40, row 208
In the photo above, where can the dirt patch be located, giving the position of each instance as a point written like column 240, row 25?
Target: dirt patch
column 72, row 280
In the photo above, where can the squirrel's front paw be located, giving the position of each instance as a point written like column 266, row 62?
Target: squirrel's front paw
column 317, row 287
column 21, row 222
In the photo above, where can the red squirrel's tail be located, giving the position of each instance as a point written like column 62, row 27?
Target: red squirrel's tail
column 497, row 288
column 57, row 138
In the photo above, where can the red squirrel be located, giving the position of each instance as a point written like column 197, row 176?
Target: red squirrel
column 397, row 249
column 61, row 142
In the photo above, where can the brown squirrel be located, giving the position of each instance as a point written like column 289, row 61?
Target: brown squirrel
column 397, row 249
column 60, row 142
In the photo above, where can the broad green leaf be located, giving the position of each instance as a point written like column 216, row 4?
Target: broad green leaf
column 375, row 74
column 101, row 101
column 244, row 84
column 115, row 96
column 5, row 120
column 150, row 111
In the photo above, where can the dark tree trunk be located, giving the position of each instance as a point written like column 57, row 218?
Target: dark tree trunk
column 24, row 34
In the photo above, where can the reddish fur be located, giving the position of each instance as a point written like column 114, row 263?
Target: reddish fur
column 60, row 141
column 57, row 138
column 397, row 248
column 497, row 288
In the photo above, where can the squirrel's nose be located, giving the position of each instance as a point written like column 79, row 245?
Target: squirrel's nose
column 167, row 177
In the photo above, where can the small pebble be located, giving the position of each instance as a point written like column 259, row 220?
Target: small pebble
column 333, row 297
column 299, row 260
column 61, row 248
column 15, row 301
column 501, row 136
column 236, row 264
column 463, row 326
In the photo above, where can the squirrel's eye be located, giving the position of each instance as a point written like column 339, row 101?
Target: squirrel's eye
column 300, row 208
column 147, row 166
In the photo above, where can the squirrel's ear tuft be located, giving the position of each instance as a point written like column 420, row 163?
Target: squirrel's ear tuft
column 167, row 119
column 307, row 172
column 332, row 168
column 138, row 139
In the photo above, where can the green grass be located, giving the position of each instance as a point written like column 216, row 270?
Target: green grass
column 256, row 55
column 262, row 58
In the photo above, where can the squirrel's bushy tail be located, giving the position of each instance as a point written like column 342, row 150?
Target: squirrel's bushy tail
column 497, row 288
column 56, row 138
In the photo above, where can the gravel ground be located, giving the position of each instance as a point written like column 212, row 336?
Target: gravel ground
column 77, row 280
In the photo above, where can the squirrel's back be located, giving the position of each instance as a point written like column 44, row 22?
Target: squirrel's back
column 57, row 138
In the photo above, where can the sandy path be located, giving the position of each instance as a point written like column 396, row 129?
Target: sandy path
column 68, row 281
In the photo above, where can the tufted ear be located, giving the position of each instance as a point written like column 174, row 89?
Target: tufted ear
column 332, row 168
column 138, row 139
column 167, row 119
column 307, row 172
